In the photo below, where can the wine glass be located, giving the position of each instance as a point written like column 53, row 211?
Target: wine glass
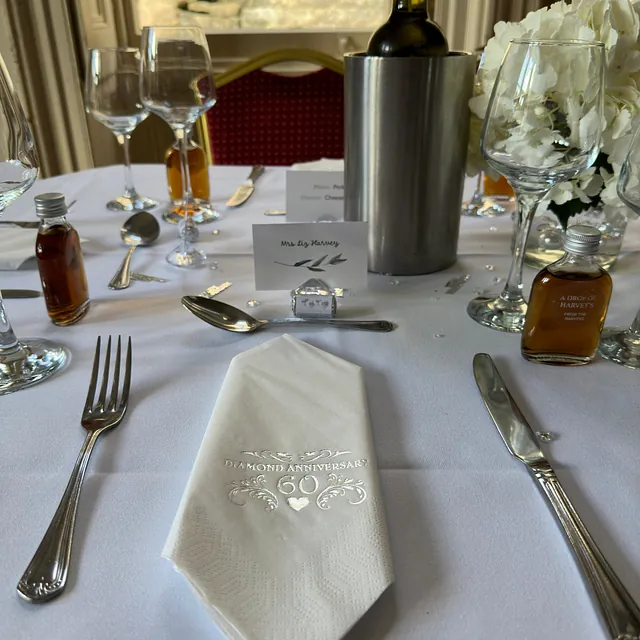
column 543, row 126
column 25, row 362
column 618, row 344
column 177, row 84
column 112, row 97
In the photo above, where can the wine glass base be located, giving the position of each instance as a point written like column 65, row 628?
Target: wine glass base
column 131, row 203
column 201, row 214
column 33, row 361
column 498, row 313
column 191, row 259
column 485, row 210
column 617, row 345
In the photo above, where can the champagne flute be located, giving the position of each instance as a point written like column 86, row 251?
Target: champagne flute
column 25, row 362
column 112, row 97
column 618, row 344
column 543, row 126
column 177, row 84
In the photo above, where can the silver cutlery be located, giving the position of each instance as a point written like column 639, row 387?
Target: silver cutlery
column 140, row 230
column 224, row 316
column 30, row 224
column 619, row 613
column 246, row 189
column 20, row 293
column 47, row 573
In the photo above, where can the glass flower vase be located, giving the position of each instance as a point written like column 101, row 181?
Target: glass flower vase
column 544, row 245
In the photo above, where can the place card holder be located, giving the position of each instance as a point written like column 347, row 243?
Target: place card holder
column 314, row 299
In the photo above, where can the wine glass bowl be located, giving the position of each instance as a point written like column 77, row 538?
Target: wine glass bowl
column 26, row 362
column 112, row 97
column 177, row 84
column 618, row 344
column 543, row 126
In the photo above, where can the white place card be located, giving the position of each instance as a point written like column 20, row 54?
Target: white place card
column 315, row 196
column 286, row 255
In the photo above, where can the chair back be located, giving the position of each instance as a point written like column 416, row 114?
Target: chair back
column 272, row 119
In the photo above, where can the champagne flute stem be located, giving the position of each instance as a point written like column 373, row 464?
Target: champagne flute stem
column 8, row 340
column 527, row 204
column 187, row 195
column 634, row 329
column 129, row 187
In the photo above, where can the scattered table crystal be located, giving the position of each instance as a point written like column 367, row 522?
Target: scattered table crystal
column 493, row 229
column 455, row 284
column 394, row 282
column 545, row 436
column 497, row 280
column 489, row 267
column 216, row 232
column 214, row 265
column 439, row 335
column 252, row 303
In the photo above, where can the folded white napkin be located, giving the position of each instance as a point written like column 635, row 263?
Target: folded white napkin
column 324, row 164
column 16, row 246
column 281, row 528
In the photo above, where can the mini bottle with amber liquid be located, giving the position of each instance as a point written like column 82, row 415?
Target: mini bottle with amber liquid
column 199, row 176
column 568, row 304
column 60, row 263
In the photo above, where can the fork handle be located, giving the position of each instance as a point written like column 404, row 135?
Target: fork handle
column 46, row 576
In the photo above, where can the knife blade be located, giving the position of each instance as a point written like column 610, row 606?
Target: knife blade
column 246, row 189
column 20, row 293
column 618, row 612
column 23, row 224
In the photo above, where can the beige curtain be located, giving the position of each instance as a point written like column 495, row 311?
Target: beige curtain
column 515, row 10
column 45, row 54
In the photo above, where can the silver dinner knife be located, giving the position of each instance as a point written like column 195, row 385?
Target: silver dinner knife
column 619, row 613
column 20, row 293
column 246, row 189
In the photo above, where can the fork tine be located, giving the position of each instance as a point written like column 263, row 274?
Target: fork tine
column 94, row 378
column 113, row 399
column 105, row 377
column 127, row 378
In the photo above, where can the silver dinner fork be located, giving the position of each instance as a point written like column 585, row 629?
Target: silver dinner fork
column 46, row 575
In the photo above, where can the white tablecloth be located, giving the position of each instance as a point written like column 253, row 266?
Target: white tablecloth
column 477, row 554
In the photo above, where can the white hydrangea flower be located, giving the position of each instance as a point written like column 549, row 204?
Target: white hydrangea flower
column 617, row 24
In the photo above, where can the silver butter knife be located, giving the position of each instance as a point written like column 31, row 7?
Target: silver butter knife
column 20, row 293
column 618, row 612
column 246, row 189
column 23, row 224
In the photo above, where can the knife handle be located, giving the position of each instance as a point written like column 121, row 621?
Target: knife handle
column 256, row 172
column 619, row 613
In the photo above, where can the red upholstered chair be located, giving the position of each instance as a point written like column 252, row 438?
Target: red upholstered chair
column 271, row 119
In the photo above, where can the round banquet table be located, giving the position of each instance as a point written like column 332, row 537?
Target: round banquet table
column 476, row 552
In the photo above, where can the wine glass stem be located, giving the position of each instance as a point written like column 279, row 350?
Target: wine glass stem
column 527, row 204
column 187, row 195
column 8, row 340
column 129, row 188
column 634, row 329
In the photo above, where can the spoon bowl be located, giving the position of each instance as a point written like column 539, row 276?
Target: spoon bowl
column 140, row 230
column 224, row 316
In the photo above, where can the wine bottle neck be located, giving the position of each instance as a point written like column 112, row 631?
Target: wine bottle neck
column 413, row 6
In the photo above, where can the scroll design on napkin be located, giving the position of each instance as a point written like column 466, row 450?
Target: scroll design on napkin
column 312, row 456
column 254, row 487
column 266, row 454
column 340, row 486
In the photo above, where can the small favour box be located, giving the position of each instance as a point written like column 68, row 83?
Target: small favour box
column 314, row 299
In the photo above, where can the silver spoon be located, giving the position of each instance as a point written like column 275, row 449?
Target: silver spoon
column 229, row 318
column 140, row 229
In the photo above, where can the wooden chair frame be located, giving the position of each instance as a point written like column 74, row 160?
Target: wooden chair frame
column 262, row 60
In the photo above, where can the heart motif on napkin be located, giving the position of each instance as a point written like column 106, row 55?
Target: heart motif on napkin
column 297, row 503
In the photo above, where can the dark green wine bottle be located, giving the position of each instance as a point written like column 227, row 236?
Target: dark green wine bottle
column 408, row 33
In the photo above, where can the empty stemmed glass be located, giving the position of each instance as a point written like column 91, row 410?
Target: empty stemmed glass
column 177, row 84
column 25, row 362
column 543, row 126
column 622, row 345
column 112, row 97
